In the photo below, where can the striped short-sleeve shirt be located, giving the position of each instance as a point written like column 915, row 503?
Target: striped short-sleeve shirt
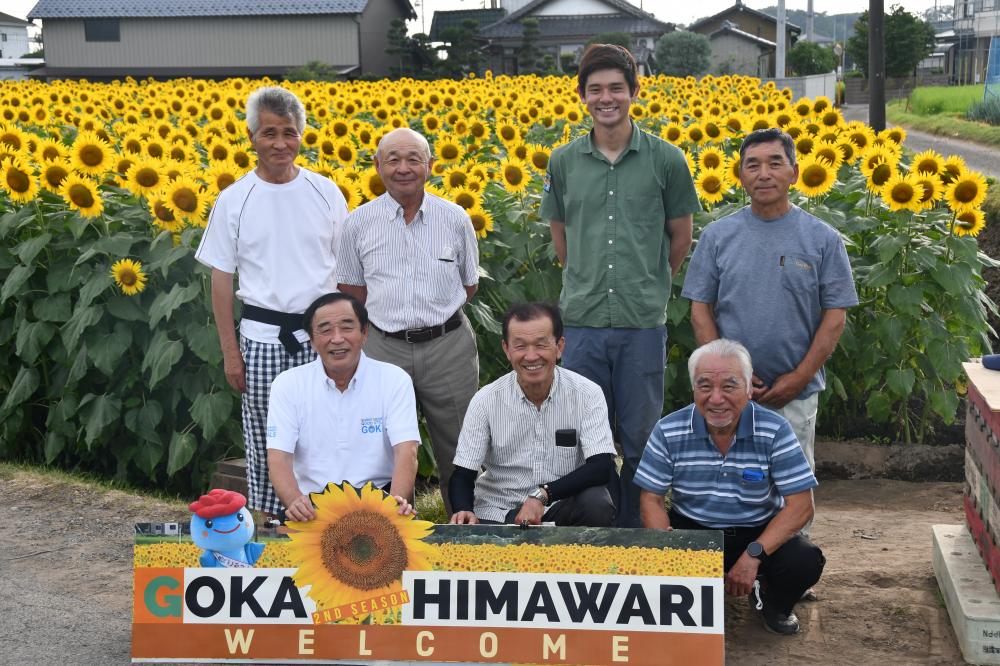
column 515, row 441
column 746, row 487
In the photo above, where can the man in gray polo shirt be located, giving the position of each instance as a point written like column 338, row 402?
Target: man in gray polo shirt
column 541, row 432
column 776, row 279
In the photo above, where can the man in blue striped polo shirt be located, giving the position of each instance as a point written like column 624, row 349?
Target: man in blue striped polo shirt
column 735, row 466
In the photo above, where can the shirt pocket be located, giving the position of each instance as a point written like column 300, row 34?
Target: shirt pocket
column 645, row 211
column 564, row 460
column 799, row 273
column 442, row 276
column 755, row 491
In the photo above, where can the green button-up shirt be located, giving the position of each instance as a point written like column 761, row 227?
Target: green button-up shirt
column 617, row 273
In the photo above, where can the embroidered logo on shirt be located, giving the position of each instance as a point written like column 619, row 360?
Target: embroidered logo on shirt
column 272, row 431
column 372, row 425
column 547, row 182
column 803, row 265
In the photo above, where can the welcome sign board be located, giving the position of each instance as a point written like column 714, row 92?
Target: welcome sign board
column 363, row 584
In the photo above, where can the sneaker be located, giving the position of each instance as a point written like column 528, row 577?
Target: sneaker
column 809, row 595
column 774, row 620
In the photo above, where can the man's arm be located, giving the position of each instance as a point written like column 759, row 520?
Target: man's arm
column 404, row 469
column 462, row 491
column 558, row 230
column 360, row 293
column 789, row 385
column 680, row 231
column 786, row 524
column 703, row 322
column 222, row 310
column 298, row 506
column 470, row 291
column 652, row 511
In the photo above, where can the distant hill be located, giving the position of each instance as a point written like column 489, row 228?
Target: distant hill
column 835, row 26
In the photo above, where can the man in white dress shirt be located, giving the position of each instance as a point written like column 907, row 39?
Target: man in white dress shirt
column 412, row 259
column 277, row 227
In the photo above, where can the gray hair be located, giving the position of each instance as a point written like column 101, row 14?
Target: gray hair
column 278, row 101
column 722, row 348
column 420, row 138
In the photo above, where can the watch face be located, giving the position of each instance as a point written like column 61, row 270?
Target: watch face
column 755, row 549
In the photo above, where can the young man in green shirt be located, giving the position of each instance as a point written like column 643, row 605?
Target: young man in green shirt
column 620, row 203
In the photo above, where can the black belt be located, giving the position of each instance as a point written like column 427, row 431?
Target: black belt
column 425, row 334
column 288, row 323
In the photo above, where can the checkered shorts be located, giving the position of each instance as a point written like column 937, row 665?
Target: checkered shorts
column 264, row 362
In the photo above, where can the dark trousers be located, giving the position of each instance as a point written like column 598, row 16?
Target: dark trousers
column 592, row 507
column 788, row 572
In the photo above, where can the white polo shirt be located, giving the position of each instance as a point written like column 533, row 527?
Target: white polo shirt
column 280, row 239
column 347, row 436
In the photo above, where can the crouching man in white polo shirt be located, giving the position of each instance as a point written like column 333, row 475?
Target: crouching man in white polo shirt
column 342, row 417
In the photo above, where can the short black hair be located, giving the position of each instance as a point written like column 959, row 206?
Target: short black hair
column 536, row 310
column 767, row 135
column 607, row 56
column 359, row 309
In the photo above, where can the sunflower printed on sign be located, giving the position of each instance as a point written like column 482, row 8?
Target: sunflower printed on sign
column 357, row 547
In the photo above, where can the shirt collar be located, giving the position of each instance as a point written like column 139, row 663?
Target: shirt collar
column 590, row 147
column 396, row 209
column 359, row 374
column 519, row 392
column 745, row 428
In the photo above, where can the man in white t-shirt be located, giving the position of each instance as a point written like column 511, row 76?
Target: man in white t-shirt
column 278, row 228
column 342, row 417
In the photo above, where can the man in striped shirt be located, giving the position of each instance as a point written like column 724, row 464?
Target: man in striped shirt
column 412, row 259
column 735, row 466
column 540, row 431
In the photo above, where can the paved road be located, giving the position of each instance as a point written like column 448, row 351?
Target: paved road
column 984, row 159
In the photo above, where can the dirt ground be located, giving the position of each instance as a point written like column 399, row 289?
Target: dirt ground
column 66, row 569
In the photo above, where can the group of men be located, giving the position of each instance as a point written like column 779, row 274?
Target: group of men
column 351, row 322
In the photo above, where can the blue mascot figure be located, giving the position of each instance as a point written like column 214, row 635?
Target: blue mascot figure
column 223, row 527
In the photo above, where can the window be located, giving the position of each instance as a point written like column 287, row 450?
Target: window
column 3, row 36
column 101, row 30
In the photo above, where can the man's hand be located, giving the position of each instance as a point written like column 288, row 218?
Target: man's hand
column 531, row 512
column 405, row 508
column 740, row 578
column 236, row 371
column 301, row 509
column 758, row 388
column 464, row 518
column 784, row 389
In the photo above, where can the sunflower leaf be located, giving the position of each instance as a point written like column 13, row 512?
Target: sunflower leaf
column 107, row 354
column 15, row 280
column 147, row 456
column 29, row 249
column 161, row 356
column 62, row 416
column 182, row 448
column 164, row 304
column 92, row 289
column 82, row 319
column 143, row 421
column 944, row 403
column 98, row 414
column 906, row 299
column 900, row 382
column 203, row 340
column 15, row 220
column 210, row 411
column 32, row 338
column 79, row 367
column 56, row 308
column 54, row 445
column 126, row 308
column 879, row 407
column 22, row 388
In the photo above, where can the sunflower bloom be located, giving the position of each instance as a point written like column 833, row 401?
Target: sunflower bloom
column 482, row 221
column 128, row 276
column 966, row 191
column 514, row 174
column 187, row 200
column 711, row 185
column 932, row 189
column 928, row 161
column 357, row 547
column 448, row 149
column 163, row 216
column 816, row 176
column 371, row 184
column 145, row 176
column 17, row 180
column 91, row 154
column 902, row 192
column 969, row 222
column 53, row 173
column 81, row 195
column 465, row 198
column 538, row 157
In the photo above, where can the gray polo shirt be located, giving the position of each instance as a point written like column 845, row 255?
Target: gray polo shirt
column 770, row 281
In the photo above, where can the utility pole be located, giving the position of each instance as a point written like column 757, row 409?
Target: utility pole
column 779, row 42
column 810, row 32
column 876, row 64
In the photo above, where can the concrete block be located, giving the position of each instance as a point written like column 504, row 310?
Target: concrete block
column 973, row 604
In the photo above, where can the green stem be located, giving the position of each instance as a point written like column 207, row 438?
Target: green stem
column 951, row 234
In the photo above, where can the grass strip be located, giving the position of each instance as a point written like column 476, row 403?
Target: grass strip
column 945, row 124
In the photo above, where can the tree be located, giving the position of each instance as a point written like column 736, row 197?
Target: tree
column 529, row 56
column 414, row 54
column 912, row 40
column 314, row 70
column 622, row 39
column 808, row 58
column 462, row 49
column 682, row 53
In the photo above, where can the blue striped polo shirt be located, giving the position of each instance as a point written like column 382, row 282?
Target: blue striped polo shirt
column 746, row 487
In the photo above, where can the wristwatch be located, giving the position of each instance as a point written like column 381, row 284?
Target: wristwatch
column 755, row 550
column 541, row 494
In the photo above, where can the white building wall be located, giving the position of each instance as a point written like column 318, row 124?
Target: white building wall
column 13, row 41
column 574, row 8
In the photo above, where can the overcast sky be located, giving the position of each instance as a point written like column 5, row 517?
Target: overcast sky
column 672, row 11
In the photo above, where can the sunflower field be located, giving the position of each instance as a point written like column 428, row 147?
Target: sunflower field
column 105, row 188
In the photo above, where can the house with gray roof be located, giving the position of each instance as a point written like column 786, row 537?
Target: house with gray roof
column 565, row 26
column 733, row 28
column 111, row 39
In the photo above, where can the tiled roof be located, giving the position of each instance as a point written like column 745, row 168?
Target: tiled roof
column 740, row 7
column 7, row 19
column 582, row 26
column 729, row 27
column 186, row 8
column 454, row 19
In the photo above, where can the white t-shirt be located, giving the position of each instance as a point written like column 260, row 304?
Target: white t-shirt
column 280, row 239
column 347, row 436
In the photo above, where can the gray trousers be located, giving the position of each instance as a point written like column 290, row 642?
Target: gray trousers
column 445, row 374
column 801, row 415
